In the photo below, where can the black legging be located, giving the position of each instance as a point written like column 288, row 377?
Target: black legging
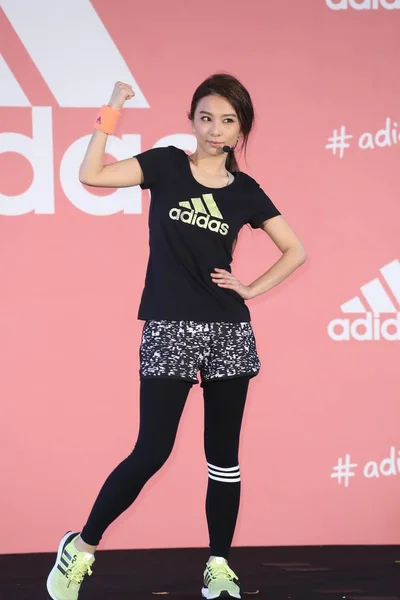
column 161, row 405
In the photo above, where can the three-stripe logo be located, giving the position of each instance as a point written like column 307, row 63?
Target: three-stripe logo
column 65, row 69
column 202, row 212
column 380, row 296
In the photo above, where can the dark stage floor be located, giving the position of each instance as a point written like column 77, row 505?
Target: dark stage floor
column 330, row 573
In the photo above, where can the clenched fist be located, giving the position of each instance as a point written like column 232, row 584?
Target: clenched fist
column 121, row 93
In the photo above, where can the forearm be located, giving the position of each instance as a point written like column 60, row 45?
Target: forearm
column 93, row 163
column 289, row 261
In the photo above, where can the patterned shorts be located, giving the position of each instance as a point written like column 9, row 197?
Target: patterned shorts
column 180, row 349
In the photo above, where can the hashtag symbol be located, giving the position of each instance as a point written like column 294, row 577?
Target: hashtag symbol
column 343, row 470
column 338, row 141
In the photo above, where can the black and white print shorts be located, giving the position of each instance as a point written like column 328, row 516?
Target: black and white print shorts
column 179, row 349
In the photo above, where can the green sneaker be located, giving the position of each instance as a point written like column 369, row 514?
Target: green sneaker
column 71, row 566
column 220, row 581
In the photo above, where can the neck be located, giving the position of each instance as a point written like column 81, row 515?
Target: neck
column 213, row 165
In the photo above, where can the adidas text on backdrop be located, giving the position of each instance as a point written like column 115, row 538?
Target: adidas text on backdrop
column 220, row 581
column 71, row 566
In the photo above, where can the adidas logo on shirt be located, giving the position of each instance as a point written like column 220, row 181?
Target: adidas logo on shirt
column 202, row 212
column 381, row 296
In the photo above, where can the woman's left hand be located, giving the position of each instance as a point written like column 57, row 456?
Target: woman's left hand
column 224, row 279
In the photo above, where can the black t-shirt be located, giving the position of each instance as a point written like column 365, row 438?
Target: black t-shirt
column 192, row 231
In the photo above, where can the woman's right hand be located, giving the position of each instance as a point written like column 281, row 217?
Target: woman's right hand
column 121, row 93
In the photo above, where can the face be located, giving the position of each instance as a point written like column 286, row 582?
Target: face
column 215, row 124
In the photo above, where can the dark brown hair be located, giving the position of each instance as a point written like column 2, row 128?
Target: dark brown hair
column 230, row 88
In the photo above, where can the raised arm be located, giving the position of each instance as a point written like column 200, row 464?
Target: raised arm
column 122, row 173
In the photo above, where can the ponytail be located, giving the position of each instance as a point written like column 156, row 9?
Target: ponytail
column 231, row 163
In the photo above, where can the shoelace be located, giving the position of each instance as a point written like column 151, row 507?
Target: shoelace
column 222, row 572
column 77, row 572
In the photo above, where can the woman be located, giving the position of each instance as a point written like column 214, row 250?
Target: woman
column 194, row 313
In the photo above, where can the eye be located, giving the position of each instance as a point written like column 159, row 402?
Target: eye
column 227, row 120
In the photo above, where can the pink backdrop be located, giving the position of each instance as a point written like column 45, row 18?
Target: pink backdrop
column 72, row 264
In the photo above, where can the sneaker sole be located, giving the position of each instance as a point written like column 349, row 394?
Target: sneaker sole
column 224, row 595
column 59, row 552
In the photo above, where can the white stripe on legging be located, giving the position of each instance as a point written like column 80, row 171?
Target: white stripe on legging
column 224, row 480
column 223, row 469
column 227, row 475
column 224, row 474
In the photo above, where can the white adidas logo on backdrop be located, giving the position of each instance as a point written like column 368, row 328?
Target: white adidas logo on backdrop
column 379, row 303
column 363, row 4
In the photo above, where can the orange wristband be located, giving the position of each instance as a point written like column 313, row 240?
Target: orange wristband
column 107, row 119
